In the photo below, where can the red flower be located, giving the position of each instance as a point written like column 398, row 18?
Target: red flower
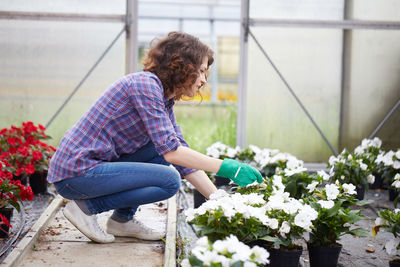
column 26, row 193
column 4, row 220
column 37, row 155
column 29, row 168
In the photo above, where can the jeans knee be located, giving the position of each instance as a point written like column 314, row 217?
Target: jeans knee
column 175, row 181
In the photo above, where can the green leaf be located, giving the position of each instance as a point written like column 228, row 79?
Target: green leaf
column 360, row 232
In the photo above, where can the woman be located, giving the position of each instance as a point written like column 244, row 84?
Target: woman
column 118, row 156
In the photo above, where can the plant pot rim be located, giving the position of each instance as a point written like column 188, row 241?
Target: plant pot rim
column 327, row 245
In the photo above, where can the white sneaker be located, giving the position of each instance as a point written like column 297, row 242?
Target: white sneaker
column 87, row 224
column 133, row 228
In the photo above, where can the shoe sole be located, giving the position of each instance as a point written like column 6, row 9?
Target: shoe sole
column 87, row 234
column 139, row 236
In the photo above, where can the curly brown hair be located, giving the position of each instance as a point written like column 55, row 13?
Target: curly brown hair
column 176, row 60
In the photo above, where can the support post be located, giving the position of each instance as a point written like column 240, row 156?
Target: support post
column 242, row 84
column 131, row 19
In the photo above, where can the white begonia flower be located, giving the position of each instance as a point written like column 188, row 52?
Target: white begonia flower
column 332, row 191
column 398, row 154
column 273, row 223
column 359, row 150
column 326, row 204
column 261, row 255
column 349, row 157
column 349, row 189
column 332, row 160
column 376, row 142
column 305, row 217
column 185, row 263
column 231, row 152
column 290, row 172
column 249, row 264
column 255, row 149
column 219, row 194
column 396, row 210
column 380, row 221
column 311, row 187
column 284, row 229
column 396, row 184
column 363, row 166
column 396, row 164
column 397, row 176
column 370, row 179
column 189, row 213
column 391, row 246
column 324, row 175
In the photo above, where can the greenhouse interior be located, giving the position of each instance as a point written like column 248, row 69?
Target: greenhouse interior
column 280, row 120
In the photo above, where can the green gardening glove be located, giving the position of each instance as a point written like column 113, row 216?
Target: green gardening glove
column 241, row 173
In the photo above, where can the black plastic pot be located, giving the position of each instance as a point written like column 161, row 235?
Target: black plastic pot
column 394, row 263
column 324, row 256
column 360, row 192
column 5, row 230
column 38, row 182
column 198, row 198
column 221, row 181
column 393, row 194
column 284, row 258
column 377, row 183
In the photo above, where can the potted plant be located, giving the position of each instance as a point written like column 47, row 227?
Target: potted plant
column 351, row 169
column 224, row 214
column 11, row 191
column 389, row 221
column 23, row 148
column 368, row 150
column 335, row 218
column 388, row 166
column 227, row 252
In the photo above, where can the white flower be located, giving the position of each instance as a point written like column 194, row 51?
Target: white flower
column 311, row 187
column 285, row 228
column 255, row 149
column 396, row 184
column 396, row 210
column 391, row 246
column 219, row 194
column 332, row 160
column 349, row 189
column 326, row 204
column 363, row 166
column 332, row 191
column 231, row 152
column 398, row 154
column 324, row 175
column 396, row 164
column 185, row 263
column 380, row 221
column 305, row 216
column 189, row 213
column 370, row 178
column 261, row 255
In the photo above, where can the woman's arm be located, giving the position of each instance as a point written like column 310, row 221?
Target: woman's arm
column 201, row 182
column 189, row 158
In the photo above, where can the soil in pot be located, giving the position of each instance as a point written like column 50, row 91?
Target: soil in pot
column 324, row 256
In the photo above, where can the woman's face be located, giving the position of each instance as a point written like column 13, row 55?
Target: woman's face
column 201, row 79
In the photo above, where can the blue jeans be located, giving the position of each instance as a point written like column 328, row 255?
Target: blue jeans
column 134, row 179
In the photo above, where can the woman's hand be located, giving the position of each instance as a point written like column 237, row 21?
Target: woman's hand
column 241, row 173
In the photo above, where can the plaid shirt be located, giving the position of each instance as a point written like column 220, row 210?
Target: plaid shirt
column 129, row 114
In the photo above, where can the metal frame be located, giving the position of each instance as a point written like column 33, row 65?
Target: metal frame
column 344, row 24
